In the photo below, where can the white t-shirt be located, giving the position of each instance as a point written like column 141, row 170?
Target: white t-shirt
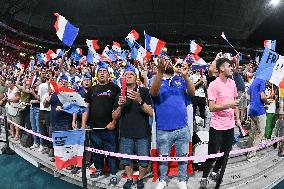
column 43, row 93
column 200, row 90
column 12, row 107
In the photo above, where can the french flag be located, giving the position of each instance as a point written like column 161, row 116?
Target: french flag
column 199, row 63
column 194, row 47
column 116, row 46
column 59, row 52
column 139, row 53
column 79, row 51
column 71, row 100
column 109, row 54
column 271, row 44
column 131, row 37
column 68, row 148
column 153, row 44
column 65, row 31
column 50, row 54
column 33, row 80
column 92, row 45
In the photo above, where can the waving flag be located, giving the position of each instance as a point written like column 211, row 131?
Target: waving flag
column 271, row 67
column 33, row 80
column 199, row 63
column 71, row 100
column 65, row 31
column 109, row 54
column 60, row 52
column 50, row 54
column 138, row 52
column 79, row 51
column 90, row 57
column 225, row 38
column 116, row 46
column 92, row 45
column 68, row 148
column 131, row 37
column 153, row 44
column 271, row 44
column 194, row 47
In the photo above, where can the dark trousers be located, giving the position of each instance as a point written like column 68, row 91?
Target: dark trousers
column 219, row 140
column 25, row 117
column 104, row 140
column 44, row 125
column 199, row 102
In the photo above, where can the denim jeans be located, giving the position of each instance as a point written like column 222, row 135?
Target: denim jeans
column 104, row 140
column 180, row 138
column 34, row 119
column 137, row 146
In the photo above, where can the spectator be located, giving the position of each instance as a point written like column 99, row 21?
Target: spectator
column 133, row 113
column 100, row 99
column 257, row 114
column 222, row 94
column 169, row 98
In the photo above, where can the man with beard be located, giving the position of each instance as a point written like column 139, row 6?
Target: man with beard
column 169, row 97
column 100, row 100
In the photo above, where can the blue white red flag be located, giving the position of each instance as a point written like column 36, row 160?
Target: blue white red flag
column 92, row 45
column 271, row 67
column 153, row 44
column 199, row 63
column 60, row 52
column 79, row 51
column 33, row 80
column 116, row 46
column 194, row 47
column 109, row 54
column 69, row 97
column 68, row 148
column 65, row 31
column 139, row 53
column 131, row 37
column 271, row 44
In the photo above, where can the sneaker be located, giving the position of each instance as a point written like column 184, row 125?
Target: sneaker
column 252, row 158
column 203, row 183
column 128, row 184
column 34, row 146
column 96, row 174
column 280, row 155
column 75, row 170
column 113, row 181
column 214, row 176
column 140, row 184
column 161, row 185
column 41, row 148
column 182, row 185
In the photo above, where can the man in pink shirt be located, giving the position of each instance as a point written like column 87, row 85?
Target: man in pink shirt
column 222, row 94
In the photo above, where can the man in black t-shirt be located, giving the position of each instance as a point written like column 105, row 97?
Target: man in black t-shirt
column 133, row 111
column 100, row 99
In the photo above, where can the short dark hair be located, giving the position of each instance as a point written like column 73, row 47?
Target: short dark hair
column 222, row 61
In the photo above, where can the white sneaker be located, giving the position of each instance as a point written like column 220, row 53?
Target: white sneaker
column 182, row 185
column 35, row 145
column 161, row 185
column 41, row 148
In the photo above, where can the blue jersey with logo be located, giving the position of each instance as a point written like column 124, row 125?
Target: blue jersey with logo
column 170, row 104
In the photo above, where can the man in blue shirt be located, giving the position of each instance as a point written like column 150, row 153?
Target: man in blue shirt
column 257, row 113
column 169, row 97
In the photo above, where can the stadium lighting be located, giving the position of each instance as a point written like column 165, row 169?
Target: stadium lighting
column 274, row 2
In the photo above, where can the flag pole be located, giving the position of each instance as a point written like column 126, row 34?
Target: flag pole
column 84, row 163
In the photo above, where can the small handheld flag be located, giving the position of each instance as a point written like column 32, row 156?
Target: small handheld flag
column 65, row 31
column 225, row 38
column 123, row 88
column 271, row 44
column 153, row 44
column 92, row 45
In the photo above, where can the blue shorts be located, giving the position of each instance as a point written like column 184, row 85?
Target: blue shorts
column 132, row 146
